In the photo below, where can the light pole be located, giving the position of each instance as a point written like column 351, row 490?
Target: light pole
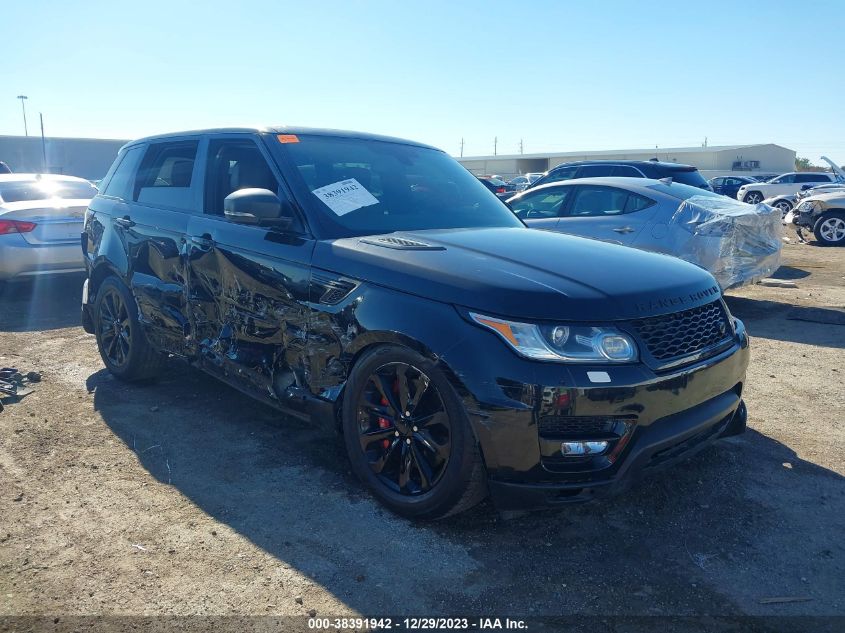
column 23, row 99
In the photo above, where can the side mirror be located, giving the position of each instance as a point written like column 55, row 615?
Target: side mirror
column 256, row 206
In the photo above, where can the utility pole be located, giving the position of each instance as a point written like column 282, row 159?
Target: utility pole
column 23, row 107
column 495, row 144
column 462, row 146
column 43, row 147
column 520, row 146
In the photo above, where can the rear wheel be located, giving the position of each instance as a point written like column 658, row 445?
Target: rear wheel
column 830, row 229
column 408, row 436
column 753, row 197
column 120, row 339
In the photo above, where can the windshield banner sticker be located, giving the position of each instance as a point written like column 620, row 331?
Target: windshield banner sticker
column 345, row 196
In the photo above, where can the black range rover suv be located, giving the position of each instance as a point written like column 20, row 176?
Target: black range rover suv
column 375, row 283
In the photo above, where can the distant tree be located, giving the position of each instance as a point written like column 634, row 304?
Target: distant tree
column 804, row 164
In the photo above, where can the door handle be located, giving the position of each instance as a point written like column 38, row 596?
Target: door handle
column 202, row 242
column 624, row 229
column 126, row 222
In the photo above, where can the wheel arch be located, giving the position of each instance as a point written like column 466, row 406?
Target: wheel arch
column 378, row 338
column 98, row 273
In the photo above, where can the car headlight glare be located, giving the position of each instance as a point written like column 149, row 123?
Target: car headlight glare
column 572, row 343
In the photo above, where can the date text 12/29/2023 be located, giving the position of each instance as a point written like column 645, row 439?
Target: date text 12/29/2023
column 417, row 624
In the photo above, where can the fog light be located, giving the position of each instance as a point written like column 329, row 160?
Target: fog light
column 575, row 449
column 617, row 347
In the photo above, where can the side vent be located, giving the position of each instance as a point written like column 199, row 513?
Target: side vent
column 401, row 243
column 332, row 290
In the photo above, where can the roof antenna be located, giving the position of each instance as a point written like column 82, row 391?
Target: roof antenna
column 667, row 180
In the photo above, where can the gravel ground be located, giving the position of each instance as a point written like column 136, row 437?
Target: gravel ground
column 185, row 497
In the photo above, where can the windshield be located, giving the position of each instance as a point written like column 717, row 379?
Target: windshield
column 362, row 187
column 29, row 190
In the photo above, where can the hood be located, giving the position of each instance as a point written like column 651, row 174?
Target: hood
column 522, row 273
column 837, row 196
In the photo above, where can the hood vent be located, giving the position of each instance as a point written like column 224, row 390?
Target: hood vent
column 401, row 243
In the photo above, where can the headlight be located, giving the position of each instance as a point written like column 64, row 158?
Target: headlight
column 809, row 206
column 573, row 343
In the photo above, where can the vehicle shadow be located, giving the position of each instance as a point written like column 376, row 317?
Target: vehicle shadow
column 663, row 548
column 43, row 303
column 790, row 273
column 787, row 322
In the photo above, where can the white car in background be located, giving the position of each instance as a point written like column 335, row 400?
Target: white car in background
column 41, row 218
column 783, row 185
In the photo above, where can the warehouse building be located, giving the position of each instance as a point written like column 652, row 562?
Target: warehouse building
column 84, row 157
column 717, row 160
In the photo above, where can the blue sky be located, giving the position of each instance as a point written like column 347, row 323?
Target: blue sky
column 558, row 75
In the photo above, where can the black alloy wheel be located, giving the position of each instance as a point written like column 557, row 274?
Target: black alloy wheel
column 403, row 428
column 113, row 325
column 123, row 346
column 408, row 436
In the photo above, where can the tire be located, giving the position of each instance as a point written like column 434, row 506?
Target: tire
column 830, row 229
column 435, row 447
column 784, row 206
column 123, row 347
column 753, row 197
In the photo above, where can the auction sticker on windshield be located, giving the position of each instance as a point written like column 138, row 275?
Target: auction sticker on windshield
column 345, row 196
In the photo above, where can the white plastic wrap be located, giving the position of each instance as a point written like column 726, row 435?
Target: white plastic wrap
column 738, row 243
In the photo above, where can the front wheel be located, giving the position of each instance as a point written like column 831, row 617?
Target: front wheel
column 830, row 229
column 408, row 437
column 784, row 206
column 120, row 339
column 754, row 197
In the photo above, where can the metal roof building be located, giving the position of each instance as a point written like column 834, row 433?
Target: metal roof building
column 711, row 160
column 84, row 157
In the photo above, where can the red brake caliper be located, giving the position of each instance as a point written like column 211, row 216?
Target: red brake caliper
column 383, row 423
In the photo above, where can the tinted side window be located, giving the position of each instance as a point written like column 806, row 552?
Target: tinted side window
column 545, row 203
column 595, row 171
column 811, row 178
column 785, row 179
column 599, row 201
column 122, row 182
column 166, row 174
column 637, row 202
column 627, row 171
column 233, row 165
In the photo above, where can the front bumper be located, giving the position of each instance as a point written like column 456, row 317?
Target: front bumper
column 19, row 259
column 522, row 415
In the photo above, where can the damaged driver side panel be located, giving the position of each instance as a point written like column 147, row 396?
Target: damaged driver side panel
column 249, row 311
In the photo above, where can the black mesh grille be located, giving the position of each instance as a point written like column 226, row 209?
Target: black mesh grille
column 683, row 333
column 559, row 425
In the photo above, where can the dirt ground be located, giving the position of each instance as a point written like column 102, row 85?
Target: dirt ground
column 186, row 497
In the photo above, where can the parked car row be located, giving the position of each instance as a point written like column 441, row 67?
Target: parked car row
column 785, row 184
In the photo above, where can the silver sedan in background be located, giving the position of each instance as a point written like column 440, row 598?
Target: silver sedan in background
column 738, row 243
column 41, row 217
